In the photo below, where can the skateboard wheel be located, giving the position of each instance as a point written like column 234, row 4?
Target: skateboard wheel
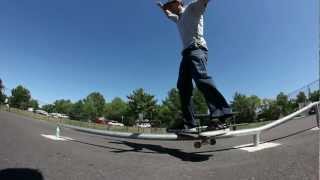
column 197, row 145
column 213, row 141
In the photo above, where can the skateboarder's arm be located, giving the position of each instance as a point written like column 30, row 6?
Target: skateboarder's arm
column 172, row 16
column 168, row 13
column 199, row 6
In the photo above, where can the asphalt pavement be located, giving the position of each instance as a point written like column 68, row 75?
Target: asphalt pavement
column 26, row 152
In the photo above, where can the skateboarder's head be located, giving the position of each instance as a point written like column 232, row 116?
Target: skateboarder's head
column 174, row 6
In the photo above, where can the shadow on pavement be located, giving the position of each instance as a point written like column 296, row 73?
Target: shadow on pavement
column 198, row 156
column 267, row 141
column 97, row 145
column 20, row 174
column 184, row 156
column 156, row 149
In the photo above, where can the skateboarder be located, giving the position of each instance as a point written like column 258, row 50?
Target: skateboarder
column 189, row 20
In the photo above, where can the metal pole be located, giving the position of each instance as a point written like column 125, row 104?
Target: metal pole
column 318, row 115
column 256, row 139
column 58, row 131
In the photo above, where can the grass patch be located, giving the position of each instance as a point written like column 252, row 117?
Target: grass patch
column 251, row 125
column 83, row 124
column 106, row 127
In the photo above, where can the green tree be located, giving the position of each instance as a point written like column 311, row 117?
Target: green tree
column 270, row 110
column 199, row 102
column 141, row 102
column 77, row 111
column 2, row 95
column 301, row 98
column 292, row 106
column 94, row 105
column 247, row 107
column 116, row 109
column 170, row 110
column 63, row 106
column 314, row 96
column 283, row 103
column 20, row 97
column 33, row 104
column 50, row 108
column 1, row 85
column 3, row 98
column 254, row 104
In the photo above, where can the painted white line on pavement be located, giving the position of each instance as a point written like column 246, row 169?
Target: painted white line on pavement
column 252, row 148
column 55, row 138
column 314, row 129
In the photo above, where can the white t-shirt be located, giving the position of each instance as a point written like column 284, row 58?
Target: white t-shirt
column 190, row 23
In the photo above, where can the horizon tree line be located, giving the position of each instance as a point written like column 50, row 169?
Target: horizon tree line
column 250, row 108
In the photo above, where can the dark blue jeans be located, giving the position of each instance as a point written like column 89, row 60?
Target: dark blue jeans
column 194, row 67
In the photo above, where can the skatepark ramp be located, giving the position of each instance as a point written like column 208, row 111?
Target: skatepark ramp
column 255, row 132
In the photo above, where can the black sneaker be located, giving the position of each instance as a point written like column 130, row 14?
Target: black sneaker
column 191, row 130
column 182, row 128
column 216, row 124
column 226, row 117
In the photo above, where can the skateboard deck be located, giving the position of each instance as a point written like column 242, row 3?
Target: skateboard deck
column 206, row 134
column 214, row 133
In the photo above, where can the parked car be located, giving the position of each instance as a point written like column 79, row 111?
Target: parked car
column 58, row 115
column 115, row 123
column 100, row 120
column 312, row 111
column 42, row 112
column 55, row 115
column 64, row 116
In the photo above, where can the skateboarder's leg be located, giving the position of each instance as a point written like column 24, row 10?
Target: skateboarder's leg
column 217, row 104
column 185, row 88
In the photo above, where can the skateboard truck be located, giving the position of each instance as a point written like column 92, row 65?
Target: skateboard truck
column 204, row 141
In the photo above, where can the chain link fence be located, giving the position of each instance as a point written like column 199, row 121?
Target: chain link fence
column 307, row 90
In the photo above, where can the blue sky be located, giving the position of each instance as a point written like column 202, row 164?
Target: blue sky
column 68, row 49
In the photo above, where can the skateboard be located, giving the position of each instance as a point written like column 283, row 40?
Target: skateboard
column 204, row 137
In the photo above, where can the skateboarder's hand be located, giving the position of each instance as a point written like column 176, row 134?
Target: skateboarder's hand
column 167, row 12
column 159, row 4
